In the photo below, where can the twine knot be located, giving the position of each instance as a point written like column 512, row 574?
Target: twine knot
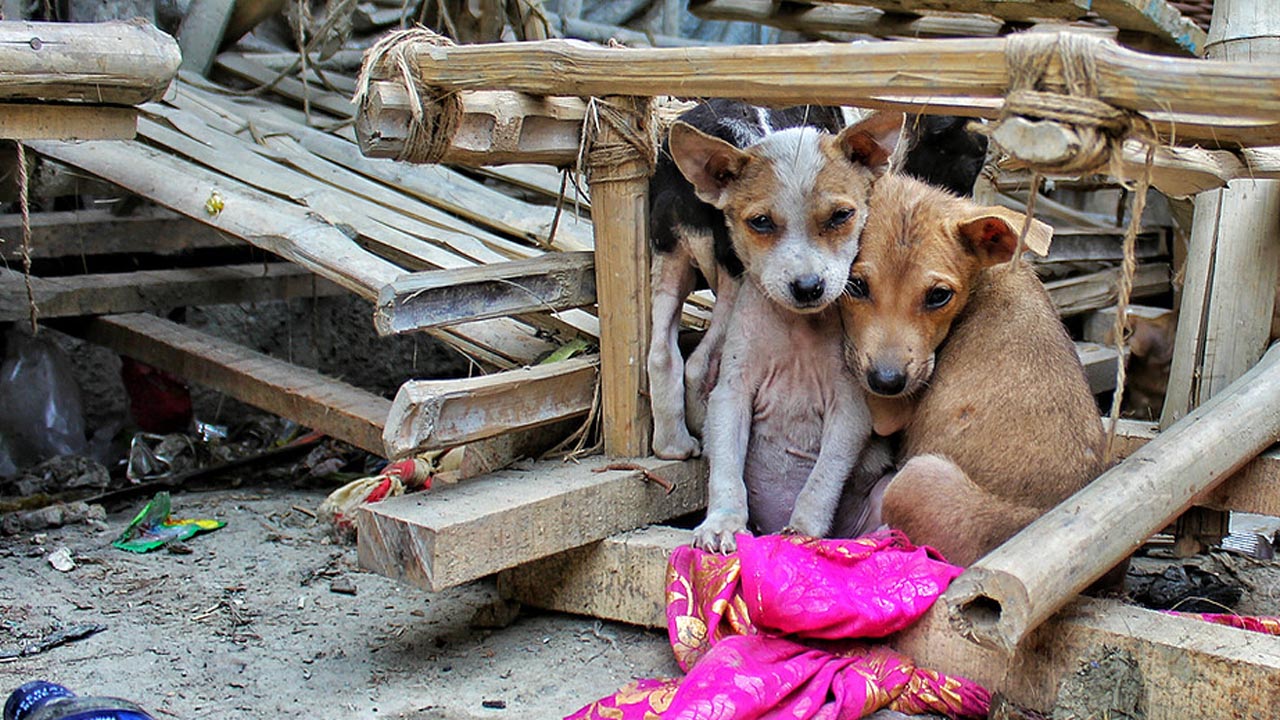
column 435, row 114
column 630, row 150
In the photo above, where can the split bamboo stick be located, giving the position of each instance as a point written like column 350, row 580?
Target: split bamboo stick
column 1008, row 593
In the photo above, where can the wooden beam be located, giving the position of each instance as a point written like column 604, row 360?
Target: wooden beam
column 1100, row 323
column 305, row 396
column 283, row 228
column 1240, row 101
column 1009, row 592
column 554, row 281
column 67, row 122
column 153, row 290
column 1155, row 17
column 201, row 33
column 437, row 414
column 1074, row 246
column 1017, row 10
column 824, row 18
column 1189, row 668
column 1099, row 363
column 70, row 233
column 456, row 534
column 109, row 63
column 620, row 194
column 1082, row 293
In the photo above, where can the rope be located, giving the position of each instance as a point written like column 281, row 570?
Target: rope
column 629, row 151
column 24, row 207
column 435, row 114
column 1099, row 126
column 1120, row 330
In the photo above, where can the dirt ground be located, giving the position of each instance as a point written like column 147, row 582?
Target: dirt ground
column 247, row 625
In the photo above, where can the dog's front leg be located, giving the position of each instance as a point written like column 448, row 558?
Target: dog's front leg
column 727, row 432
column 673, row 278
column 704, row 363
column 845, row 431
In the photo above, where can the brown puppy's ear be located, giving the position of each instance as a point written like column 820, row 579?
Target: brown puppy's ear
column 707, row 162
column 992, row 234
column 874, row 140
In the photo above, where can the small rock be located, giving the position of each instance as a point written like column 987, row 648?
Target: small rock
column 177, row 547
column 61, row 560
column 342, row 585
column 494, row 704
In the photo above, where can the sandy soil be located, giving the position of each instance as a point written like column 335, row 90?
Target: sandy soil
column 247, row 626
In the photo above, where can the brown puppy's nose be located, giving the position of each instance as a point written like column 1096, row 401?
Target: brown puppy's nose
column 807, row 288
column 886, row 381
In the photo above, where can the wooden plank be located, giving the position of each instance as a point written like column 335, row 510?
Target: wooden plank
column 621, row 578
column 66, row 122
column 823, row 18
column 436, row 414
column 1009, row 592
column 1155, row 17
column 621, row 213
column 1082, row 293
column 1074, row 246
column 1099, row 363
column 459, row 533
column 201, row 33
column 1017, row 10
column 290, row 231
column 556, row 281
column 153, row 290
column 1099, row 324
column 1189, row 668
column 1255, row 488
column 71, row 233
column 109, row 63
column 305, row 396
column 1235, row 101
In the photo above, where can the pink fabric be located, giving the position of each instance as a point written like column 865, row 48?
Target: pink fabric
column 770, row 633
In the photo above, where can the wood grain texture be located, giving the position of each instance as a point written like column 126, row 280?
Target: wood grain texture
column 1082, row 293
column 71, row 233
column 67, row 122
column 456, row 534
column 1008, row 593
column 823, row 19
column 156, row 290
column 304, row 396
column 437, row 414
column 110, row 63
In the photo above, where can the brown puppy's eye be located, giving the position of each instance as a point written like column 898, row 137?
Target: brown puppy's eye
column 857, row 288
column 762, row 224
column 938, row 297
column 839, row 217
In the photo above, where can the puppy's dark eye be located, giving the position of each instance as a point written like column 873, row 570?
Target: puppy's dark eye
column 839, row 217
column 857, row 288
column 938, row 297
column 761, row 223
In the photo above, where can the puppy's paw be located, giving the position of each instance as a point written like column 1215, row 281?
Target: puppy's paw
column 716, row 533
column 679, row 445
column 802, row 524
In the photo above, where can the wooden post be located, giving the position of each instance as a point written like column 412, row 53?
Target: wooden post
column 620, row 210
column 1006, row 594
column 1231, row 272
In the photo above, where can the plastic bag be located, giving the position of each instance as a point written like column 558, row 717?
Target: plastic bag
column 41, row 415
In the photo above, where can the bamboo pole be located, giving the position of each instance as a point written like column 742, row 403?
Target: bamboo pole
column 1241, row 100
column 111, row 63
column 1225, row 319
column 620, row 210
column 1008, row 593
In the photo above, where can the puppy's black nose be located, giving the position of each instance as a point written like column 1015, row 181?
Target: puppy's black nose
column 807, row 288
column 886, row 381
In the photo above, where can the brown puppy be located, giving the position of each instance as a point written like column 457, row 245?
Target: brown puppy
column 966, row 353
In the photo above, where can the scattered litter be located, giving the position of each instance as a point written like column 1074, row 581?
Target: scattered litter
column 152, row 527
column 394, row 479
column 53, row 640
column 1183, row 587
column 152, row 457
column 53, row 516
column 342, row 585
column 61, row 560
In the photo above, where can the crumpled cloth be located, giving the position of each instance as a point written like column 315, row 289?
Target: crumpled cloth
column 779, row 629
column 1267, row 624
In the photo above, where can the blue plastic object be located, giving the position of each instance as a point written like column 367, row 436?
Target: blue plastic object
column 42, row 700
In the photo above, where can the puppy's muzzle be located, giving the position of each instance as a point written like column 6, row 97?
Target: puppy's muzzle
column 808, row 289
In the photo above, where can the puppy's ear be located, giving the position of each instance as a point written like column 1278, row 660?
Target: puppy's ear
column 992, row 234
column 1152, row 338
column 874, row 141
column 707, row 162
